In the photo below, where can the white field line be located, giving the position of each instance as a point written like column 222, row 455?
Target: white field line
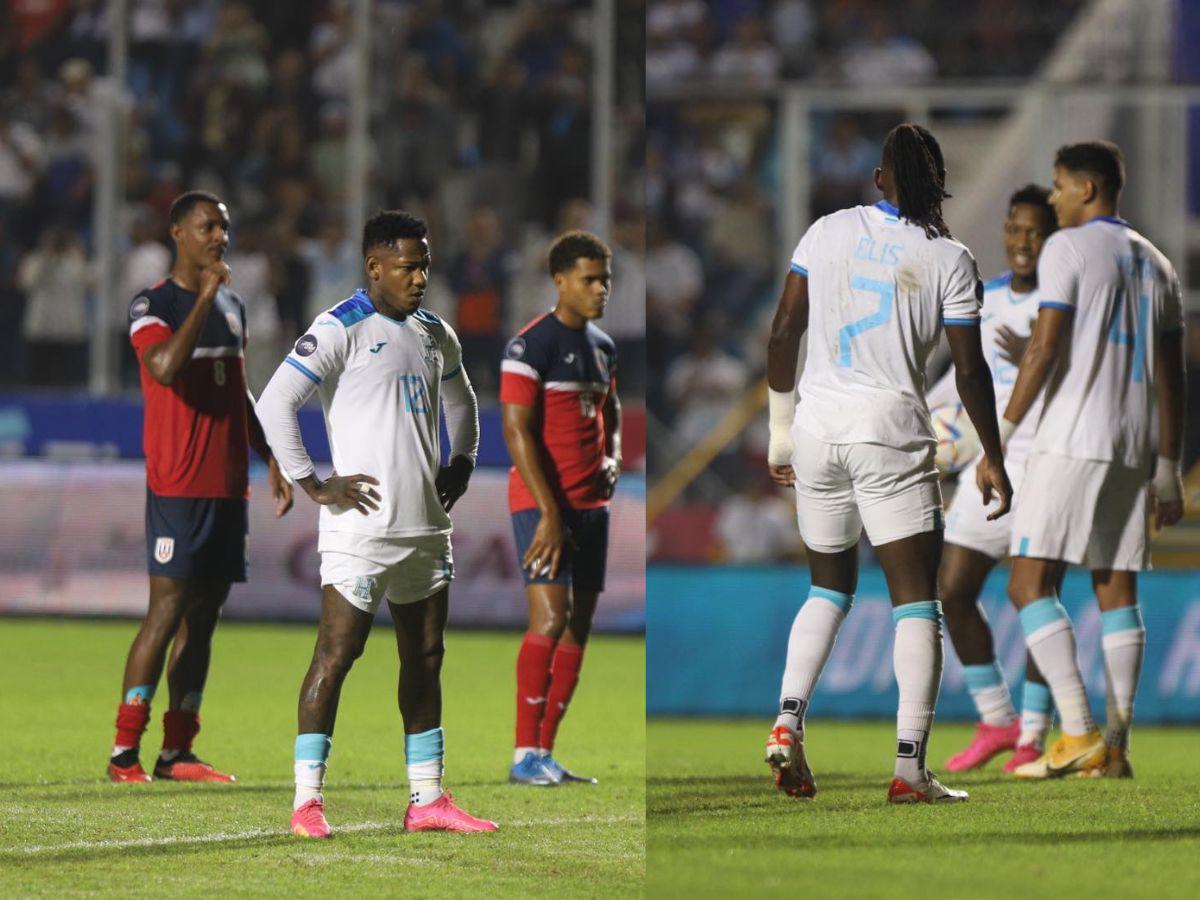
column 222, row 837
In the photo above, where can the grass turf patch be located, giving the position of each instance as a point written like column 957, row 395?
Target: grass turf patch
column 716, row 825
column 65, row 830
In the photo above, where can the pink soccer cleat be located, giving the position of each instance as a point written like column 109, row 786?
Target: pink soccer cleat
column 443, row 815
column 309, row 820
column 1025, row 753
column 987, row 742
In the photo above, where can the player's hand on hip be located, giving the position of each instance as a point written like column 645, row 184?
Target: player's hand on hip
column 545, row 550
column 784, row 475
column 213, row 276
column 993, row 481
column 281, row 488
column 353, row 491
column 606, row 478
column 451, row 481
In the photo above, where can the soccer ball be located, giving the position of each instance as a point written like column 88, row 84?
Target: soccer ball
column 957, row 442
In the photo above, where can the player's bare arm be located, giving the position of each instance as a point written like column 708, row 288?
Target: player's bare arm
column 973, row 379
column 1166, row 490
column 610, row 468
column 354, row 491
column 1051, row 333
column 166, row 359
column 783, row 354
column 520, row 436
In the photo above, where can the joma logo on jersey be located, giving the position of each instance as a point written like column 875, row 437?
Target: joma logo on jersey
column 379, row 346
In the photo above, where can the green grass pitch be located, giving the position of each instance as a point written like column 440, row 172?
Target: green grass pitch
column 65, row 831
column 717, row 826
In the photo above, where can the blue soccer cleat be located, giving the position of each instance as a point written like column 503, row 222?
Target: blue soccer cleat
column 563, row 773
column 531, row 770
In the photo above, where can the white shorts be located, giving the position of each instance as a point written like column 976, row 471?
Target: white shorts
column 405, row 570
column 967, row 518
column 1083, row 511
column 840, row 488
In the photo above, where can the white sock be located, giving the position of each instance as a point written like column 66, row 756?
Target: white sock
column 985, row 683
column 814, row 630
column 310, row 779
column 519, row 753
column 312, row 756
column 1051, row 640
column 424, row 782
column 1124, row 645
column 917, row 659
column 1037, row 714
column 425, row 752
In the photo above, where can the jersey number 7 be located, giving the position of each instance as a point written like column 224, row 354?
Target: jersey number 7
column 882, row 315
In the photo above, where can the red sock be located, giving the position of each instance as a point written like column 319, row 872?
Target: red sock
column 131, row 724
column 568, row 659
column 533, row 677
column 180, row 729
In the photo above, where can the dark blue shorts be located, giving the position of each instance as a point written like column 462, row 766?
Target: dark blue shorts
column 197, row 538
column 582, row 565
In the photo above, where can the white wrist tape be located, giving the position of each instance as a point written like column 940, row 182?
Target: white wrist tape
column 782, row 405
column 1168, row 479
column 1006, row 430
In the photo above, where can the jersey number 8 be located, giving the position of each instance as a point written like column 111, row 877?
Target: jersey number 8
column 219, row 372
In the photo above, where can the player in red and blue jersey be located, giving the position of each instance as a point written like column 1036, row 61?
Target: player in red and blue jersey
column 562, row 425
column 189, row 333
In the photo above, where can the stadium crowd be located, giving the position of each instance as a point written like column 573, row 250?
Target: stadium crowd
column 480, row 122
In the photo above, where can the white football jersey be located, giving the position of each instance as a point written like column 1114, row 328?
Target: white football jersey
column 879, row 291
column 1001, row 307
column 379, row 381
column 1123, row 294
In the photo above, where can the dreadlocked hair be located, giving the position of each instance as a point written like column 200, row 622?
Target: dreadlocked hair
column 915, row 159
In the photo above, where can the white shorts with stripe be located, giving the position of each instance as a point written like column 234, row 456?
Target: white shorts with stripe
column 1087, row 512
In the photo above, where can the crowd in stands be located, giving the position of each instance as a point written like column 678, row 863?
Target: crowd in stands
column 480, row 120
column 860, row 42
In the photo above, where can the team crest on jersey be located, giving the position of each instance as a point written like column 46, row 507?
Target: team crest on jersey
column 234, row 321
column 164, row 549
column 516, row 348
column 430, row 351
column 363, row 585
column 139, row 307
column 602, row 363
column 307, row 345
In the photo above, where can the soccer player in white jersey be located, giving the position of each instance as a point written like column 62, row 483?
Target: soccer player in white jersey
column 874, row 286
column 973, row 543
column 383, row 368
column 1107, row 347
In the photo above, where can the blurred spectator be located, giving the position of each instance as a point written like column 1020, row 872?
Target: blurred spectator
column 674, row 281
column 55, row 279
column 702, row 386
column 750, row 58
column 148, row 260
column 250, row 263
column 480, row 277
column 844, row 165
column 335, row 263
column 757, row 525
column 886, row 57
column 21, row 159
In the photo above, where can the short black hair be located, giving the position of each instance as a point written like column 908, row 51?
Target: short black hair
column 1102, row 161
column 387, row 226
column 914, row 157
column 1035, row 195
column 185, row 203
column 575, row 245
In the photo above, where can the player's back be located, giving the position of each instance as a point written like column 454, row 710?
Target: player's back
column 1123, row 293
column 878, row 290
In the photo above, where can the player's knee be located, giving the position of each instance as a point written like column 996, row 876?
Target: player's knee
column 336, row 657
